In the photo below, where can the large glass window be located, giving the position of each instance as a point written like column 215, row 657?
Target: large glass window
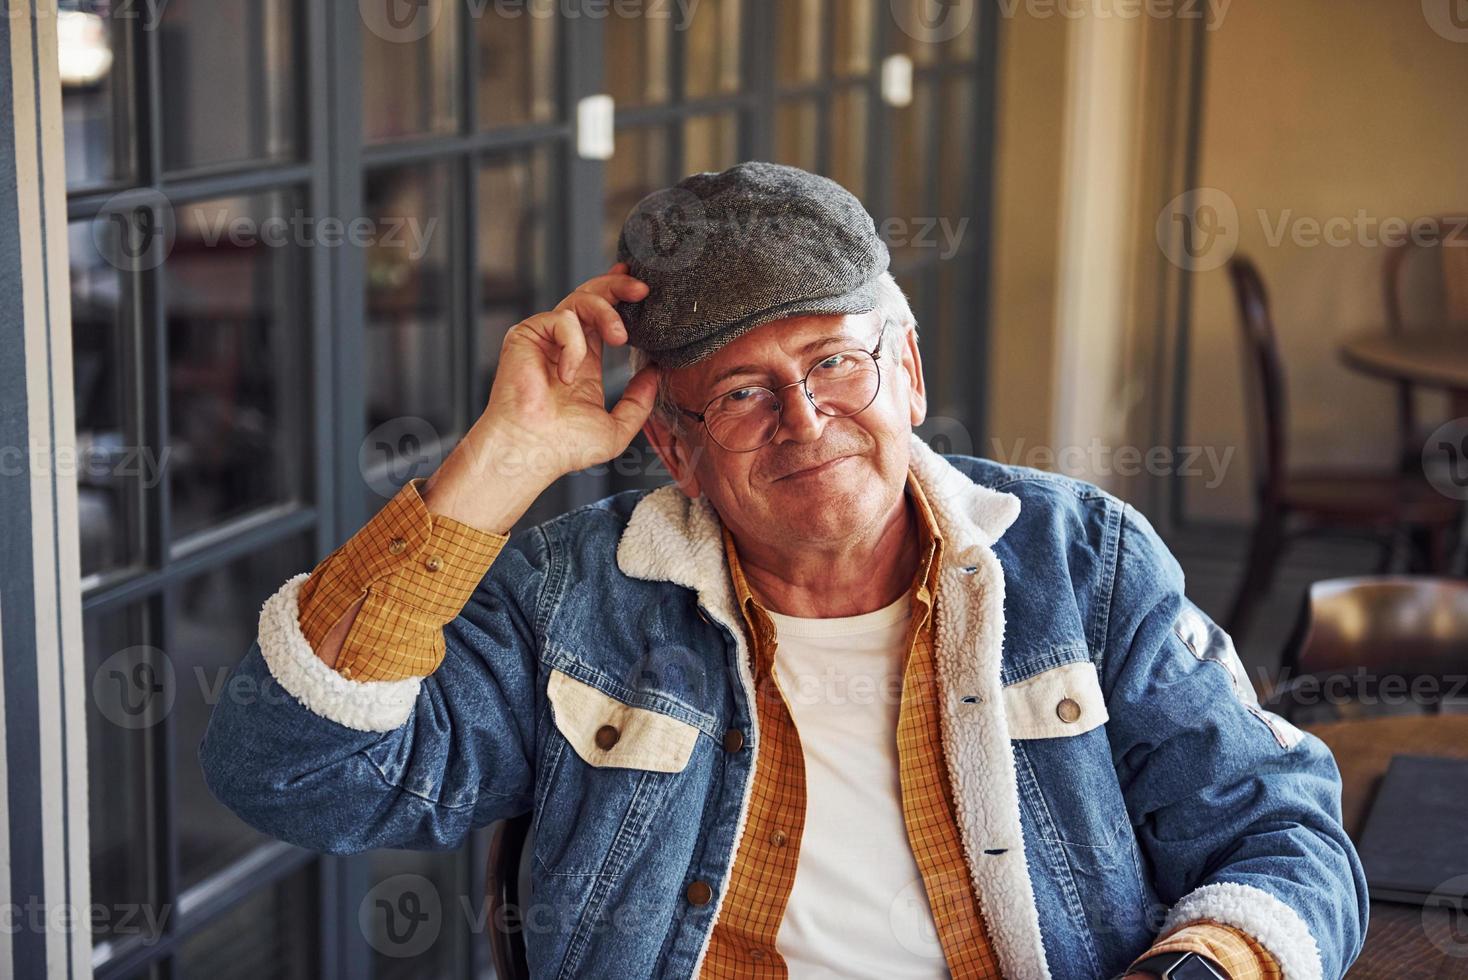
column 298, row 234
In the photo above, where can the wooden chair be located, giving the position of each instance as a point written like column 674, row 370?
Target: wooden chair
column 1434, row 274
column 503, row 898
column 1371, row 629
column 1383, row 504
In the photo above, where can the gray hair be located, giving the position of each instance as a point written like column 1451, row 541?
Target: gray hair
column 891, row 303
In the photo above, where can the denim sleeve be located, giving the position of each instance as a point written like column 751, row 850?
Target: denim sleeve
column 339, row 766
column 1237, row 811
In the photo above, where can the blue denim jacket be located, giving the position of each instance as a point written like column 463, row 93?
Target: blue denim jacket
column 1169, row 796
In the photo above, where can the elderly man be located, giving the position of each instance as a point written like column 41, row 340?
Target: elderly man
column 831, row 704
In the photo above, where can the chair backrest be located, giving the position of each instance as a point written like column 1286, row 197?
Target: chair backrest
column 504, row 899
column 1264, row 381
column 1424, row 281
column 1383, row 632
column 1429, row 265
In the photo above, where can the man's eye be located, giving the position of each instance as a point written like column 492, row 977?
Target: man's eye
column 741, row 394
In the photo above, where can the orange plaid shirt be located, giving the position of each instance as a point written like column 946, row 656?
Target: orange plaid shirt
column 415, row 571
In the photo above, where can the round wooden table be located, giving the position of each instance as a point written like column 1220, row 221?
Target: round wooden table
column 1429, row 359
column 1404, row 942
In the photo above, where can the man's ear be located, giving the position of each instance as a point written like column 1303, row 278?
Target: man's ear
column 675, row 452
column 912, row 364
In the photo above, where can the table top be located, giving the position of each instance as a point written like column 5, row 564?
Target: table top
column 1404, row 942
column 1435, row 359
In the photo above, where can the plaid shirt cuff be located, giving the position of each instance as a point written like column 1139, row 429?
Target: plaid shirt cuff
column 417, row 571
column 1235, row 952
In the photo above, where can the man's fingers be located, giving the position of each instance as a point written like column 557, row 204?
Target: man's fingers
column 571, row 339
column 615, row 286
column 598, row 315
column 635, row 405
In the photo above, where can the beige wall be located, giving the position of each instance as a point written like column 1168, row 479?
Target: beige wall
column 1024, row 253
column 1318, row 109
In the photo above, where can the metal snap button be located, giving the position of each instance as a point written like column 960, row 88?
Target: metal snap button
column 1068, row 710
column 396, row 546
column 733, row 740
column 606, row 736
column 698, row 892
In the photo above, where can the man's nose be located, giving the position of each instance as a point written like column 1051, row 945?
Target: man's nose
column 799, row 420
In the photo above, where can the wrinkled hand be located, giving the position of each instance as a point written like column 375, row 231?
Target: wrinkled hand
column 547, row 413
column 548, row 395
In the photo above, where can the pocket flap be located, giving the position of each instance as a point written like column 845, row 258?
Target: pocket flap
column 1054, row 703
column 636, row 738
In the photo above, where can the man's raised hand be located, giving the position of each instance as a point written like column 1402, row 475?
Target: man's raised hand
column 547, row 413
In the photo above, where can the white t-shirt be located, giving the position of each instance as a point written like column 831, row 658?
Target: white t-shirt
column 858, row 907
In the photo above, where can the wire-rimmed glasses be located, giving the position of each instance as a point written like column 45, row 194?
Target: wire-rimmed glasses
column 838, row 385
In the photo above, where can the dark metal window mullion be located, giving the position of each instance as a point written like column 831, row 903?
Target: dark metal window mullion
column 879, row 125
column 466, row 229
column 973, row 346
column 156, row 529
column 676, row 128
column 824, row 88
column 757, row 77
column 344, row 881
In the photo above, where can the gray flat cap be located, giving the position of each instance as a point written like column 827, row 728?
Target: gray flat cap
column 725, row 252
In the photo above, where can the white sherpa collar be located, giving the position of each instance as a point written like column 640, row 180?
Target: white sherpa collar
column 670, row 538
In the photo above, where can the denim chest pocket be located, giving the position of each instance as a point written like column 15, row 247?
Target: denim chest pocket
column 608, row 771
column 1056, row 719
